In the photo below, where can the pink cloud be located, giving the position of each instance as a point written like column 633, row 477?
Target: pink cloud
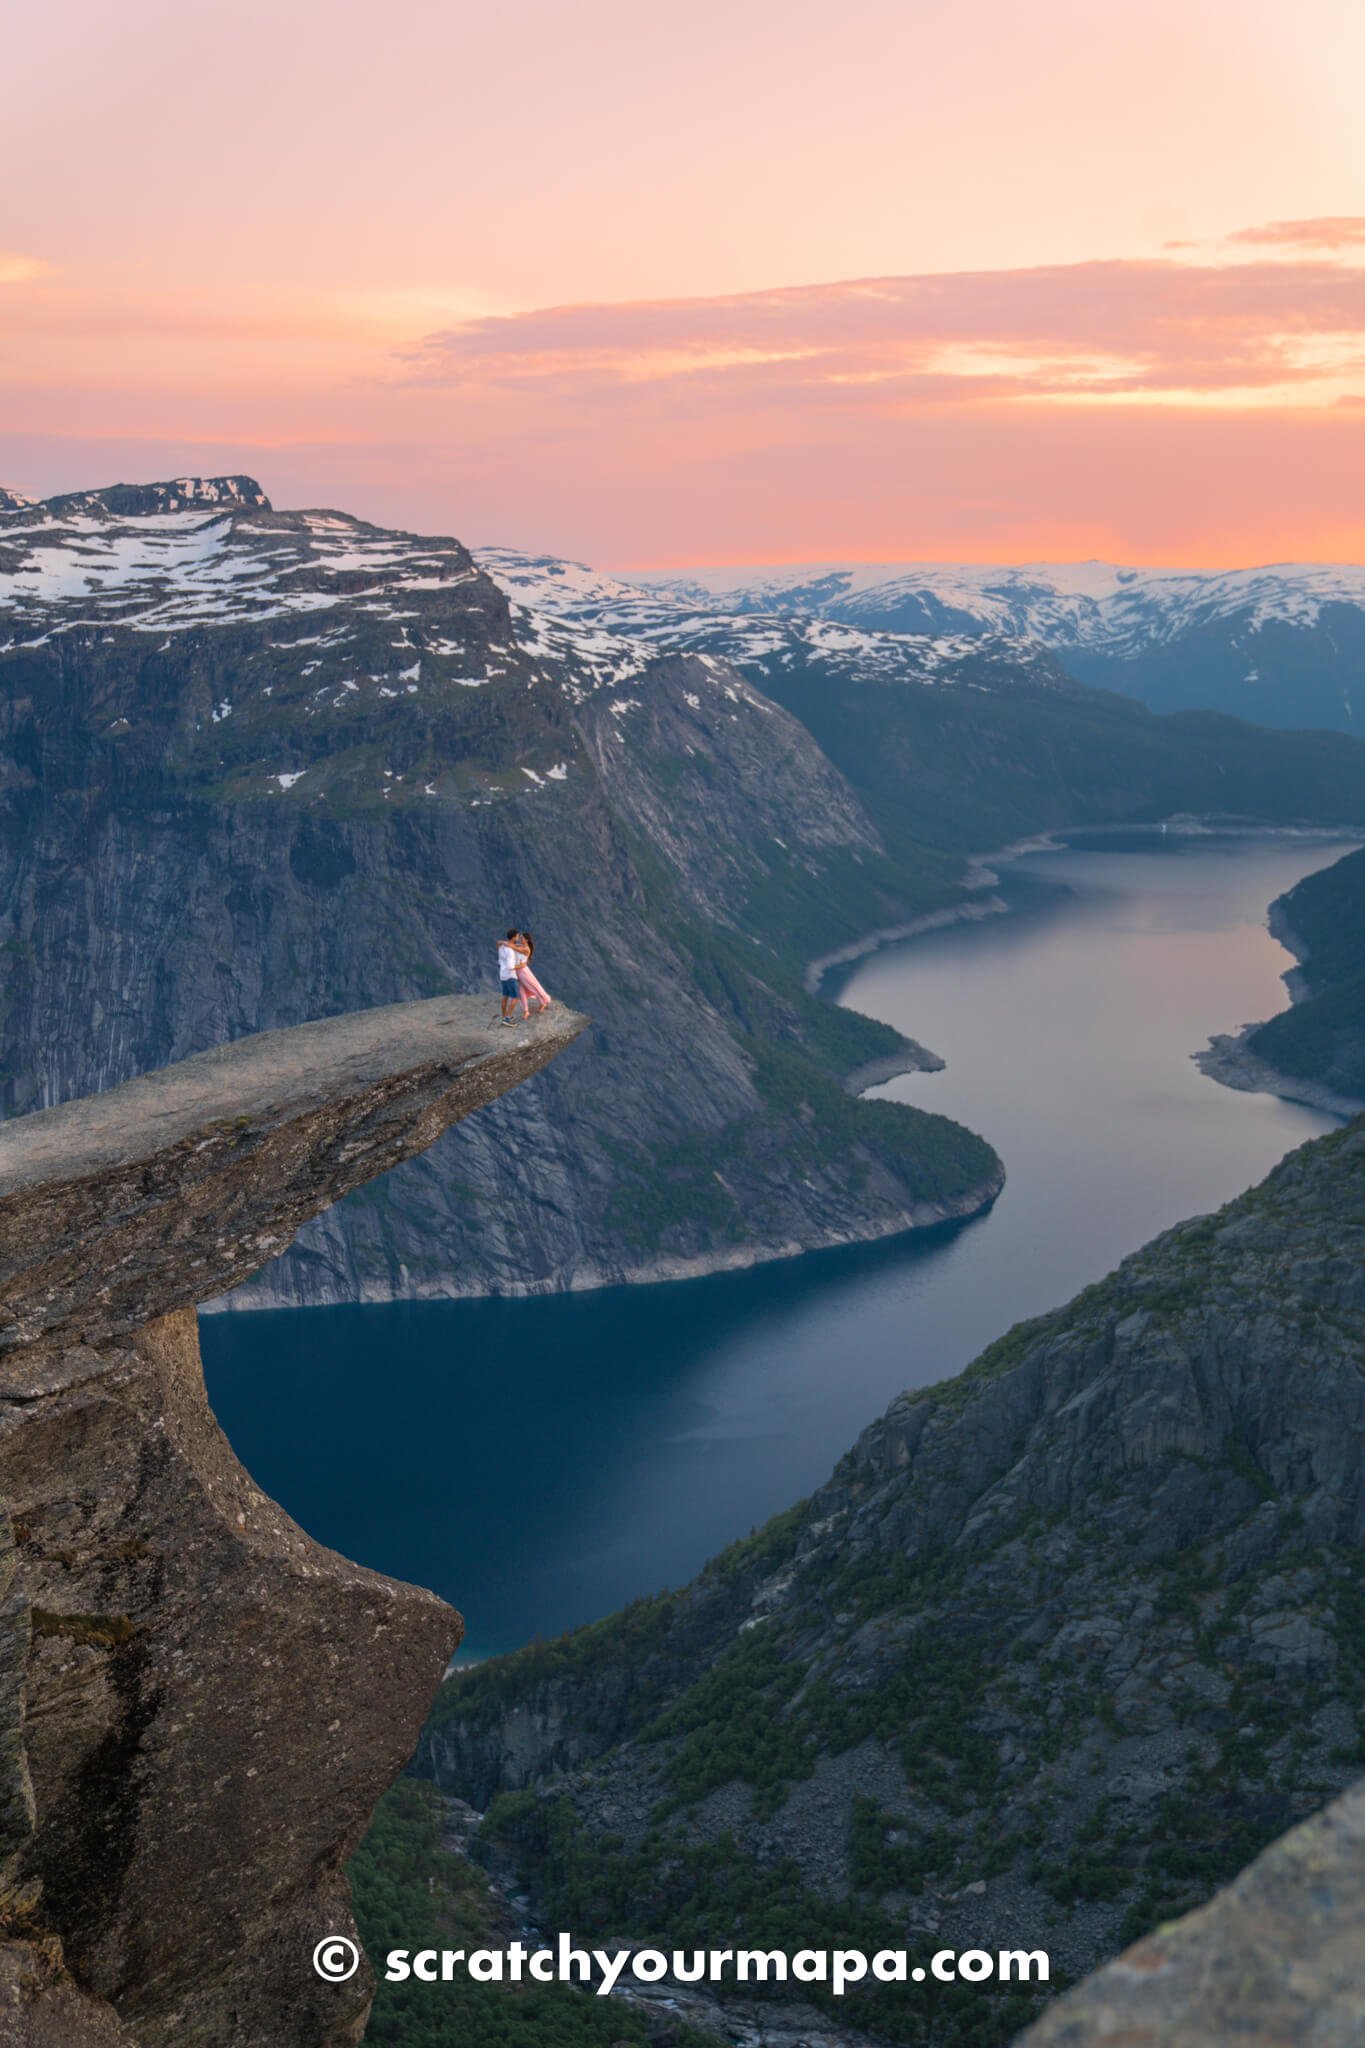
column 1330, row 231
column 1145, row 410
column 1105, row 328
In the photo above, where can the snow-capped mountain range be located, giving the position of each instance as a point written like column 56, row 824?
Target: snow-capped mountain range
column 258, row 765
column 567, row 609
column 1283, row 644
column 1079, row 603
column 203, row 552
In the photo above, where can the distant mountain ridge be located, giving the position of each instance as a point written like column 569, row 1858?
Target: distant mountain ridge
column 260, row 765
column 1282, row 644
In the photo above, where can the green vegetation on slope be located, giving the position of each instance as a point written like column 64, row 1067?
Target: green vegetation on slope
column 1075, row 1634
column 694, row 1894
column 967, row 769
column 410, row 1893
column 1322, row 1038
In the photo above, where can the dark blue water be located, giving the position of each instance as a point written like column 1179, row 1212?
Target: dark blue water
column 540, row 1462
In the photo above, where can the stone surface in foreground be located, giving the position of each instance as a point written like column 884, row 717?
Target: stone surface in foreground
column 1275, row 1961
column 199, row 1706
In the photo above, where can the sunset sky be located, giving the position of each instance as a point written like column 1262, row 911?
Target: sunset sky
column 668, row 284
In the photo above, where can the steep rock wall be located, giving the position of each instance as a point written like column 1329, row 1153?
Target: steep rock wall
column 198, row 1705
column 1062, row 1643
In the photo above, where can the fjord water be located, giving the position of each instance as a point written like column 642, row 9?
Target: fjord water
column 540, row 1462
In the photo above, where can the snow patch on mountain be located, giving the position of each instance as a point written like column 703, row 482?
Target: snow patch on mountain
column 611, row 624
column 168, row 558
column 1092, row 604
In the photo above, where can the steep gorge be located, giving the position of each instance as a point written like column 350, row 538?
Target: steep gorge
column 1059, row 1647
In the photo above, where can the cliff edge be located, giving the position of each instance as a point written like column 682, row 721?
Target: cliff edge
column 199, row 1706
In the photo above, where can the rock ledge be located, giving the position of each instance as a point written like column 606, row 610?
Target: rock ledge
column 199, row 1706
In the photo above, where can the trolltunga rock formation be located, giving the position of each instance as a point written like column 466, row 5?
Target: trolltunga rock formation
column 199, row 1706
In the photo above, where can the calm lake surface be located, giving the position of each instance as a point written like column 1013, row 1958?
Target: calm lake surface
column 540, row 1462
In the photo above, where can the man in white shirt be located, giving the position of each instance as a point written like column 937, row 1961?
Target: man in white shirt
column 509, row 959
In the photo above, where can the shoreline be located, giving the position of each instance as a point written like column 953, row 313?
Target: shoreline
column 1229, row 1060
column 974, row 1201
column 1222, row 1060
column 910, row 1058
column 978, row 873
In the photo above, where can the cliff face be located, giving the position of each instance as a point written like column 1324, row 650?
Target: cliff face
column 199, row 1706
column 1061, row 1645
column 260, row 766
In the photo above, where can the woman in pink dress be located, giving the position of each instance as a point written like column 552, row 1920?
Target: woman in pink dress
column 526, row 946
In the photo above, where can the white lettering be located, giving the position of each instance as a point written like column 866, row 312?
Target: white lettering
column 767, row 1962
column 575, row 1957
column 1027, row 1964
column 850, row 1965
column 611, row 1968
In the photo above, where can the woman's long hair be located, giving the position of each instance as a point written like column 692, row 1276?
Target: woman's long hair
column 530, row 946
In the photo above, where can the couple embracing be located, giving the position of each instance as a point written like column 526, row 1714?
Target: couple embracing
column 519, row 985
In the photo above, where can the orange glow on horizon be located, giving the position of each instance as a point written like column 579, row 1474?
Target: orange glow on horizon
column 705, row 294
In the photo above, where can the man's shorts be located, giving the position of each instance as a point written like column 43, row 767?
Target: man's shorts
column 511, row 987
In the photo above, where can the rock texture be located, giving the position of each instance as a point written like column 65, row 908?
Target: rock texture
column 1062, row 1644
column 198, row 1705
column 179, row 1184
column 257, row 766
column 1273, row 1961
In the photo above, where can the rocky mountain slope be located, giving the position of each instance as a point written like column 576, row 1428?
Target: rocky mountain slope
column 199, row 1706
column 1059, row 1647
column 257, row 766
column 1315, row 1050
column 1283, row 645
column 955, row 739
column 1322, row 1037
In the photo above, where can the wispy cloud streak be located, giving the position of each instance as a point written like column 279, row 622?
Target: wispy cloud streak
column 1330, row 231
column 1076, row 330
